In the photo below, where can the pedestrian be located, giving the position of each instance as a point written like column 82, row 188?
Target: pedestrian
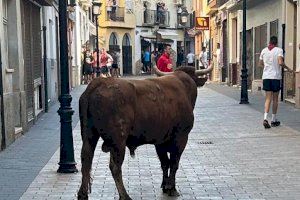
column 217, row 55
column 109, row 6
column 153, row 59
column 114, row 10
column 271, row 58
column 147, row 60
column 110, row 61
column 203, row 60
column 164, row 63
column 116, row 63
column 190, row 59
column 95, row 65
column 87, row 66
column 180, row 58
column 103, row 64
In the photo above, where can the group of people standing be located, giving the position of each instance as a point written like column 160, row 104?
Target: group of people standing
column 111, row 8
column 107, row 66
column 149, row 60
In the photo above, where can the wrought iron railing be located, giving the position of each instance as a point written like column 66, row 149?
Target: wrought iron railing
column 152, row 17
column 115, row 13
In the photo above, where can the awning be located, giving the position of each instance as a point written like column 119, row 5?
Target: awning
column 168, row 34
column 148, row 35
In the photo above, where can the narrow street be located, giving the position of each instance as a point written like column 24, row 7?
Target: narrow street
column 229, row 156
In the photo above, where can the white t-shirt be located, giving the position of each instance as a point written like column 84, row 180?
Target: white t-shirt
column 203, row 57
column 110, row 60
column 272, row 69
column 190, row 57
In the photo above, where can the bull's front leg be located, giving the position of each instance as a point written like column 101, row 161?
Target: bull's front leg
column 116, row 160
column 175, row 154
column 165, row 164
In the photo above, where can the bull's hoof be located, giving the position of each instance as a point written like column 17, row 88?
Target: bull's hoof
column 173, row 193
column 125, row 198
column 82, row 196
column 165, row 191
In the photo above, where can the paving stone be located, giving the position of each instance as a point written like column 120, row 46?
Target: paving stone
column 243, row 160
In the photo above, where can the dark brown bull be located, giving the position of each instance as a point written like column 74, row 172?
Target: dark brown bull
column 131, row 113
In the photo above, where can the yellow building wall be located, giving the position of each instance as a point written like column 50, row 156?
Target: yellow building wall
column 120, row 29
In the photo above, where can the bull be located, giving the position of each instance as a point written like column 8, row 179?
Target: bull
column 131, row 113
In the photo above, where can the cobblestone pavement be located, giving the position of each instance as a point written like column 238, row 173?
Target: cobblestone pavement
column 229, row 155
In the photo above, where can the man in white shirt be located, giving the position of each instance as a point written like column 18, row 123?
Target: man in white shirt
column 271, row 59
column 190, row 59
column 218, row 60
column 203, row 62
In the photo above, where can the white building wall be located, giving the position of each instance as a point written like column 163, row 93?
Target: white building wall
column 49, row 20
column 264, row 12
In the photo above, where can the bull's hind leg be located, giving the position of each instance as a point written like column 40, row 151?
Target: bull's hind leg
column 116, row 160
column 176, row 151
column 164, row 161
column 87, row 154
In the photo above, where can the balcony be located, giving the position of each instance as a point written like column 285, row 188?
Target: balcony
column 117, row 17
column 116, row 14
column 216, row 3
column 190, row 23
column 153, row 17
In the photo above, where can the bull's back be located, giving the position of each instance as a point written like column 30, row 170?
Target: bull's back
column 111, row 105
column 163, row 104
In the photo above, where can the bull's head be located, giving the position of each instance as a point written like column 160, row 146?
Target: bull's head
column 197, row 75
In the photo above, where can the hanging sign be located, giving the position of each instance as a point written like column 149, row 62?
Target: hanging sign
column 202, row 23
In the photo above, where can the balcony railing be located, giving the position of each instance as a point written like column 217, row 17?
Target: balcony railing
column 115, row 14
column 190, row 23
column 216, row 3
column 153, row 17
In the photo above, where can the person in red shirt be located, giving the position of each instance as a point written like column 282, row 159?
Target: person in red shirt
column 164, row 63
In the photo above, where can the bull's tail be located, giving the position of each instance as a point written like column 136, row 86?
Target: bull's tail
column 88, row 139
column 86, row 153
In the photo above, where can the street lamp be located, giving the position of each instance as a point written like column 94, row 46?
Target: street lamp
column 244, row 76
column 67, row 162
column 184, row 19
column 96, row 13
column 156, row 29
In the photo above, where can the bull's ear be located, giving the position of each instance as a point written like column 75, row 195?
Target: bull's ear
column 200, row 81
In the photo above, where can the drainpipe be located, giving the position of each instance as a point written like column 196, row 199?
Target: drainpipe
column 283, row 45
column 3, row 142
column 45, row 69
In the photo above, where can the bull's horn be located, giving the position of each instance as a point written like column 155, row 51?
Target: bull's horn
column 204, row 71
column 160, row 73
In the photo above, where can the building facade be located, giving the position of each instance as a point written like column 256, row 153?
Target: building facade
column 264, row 19
column 117, row 31
column 156, row 26
column 82, row 35
column 29, row 64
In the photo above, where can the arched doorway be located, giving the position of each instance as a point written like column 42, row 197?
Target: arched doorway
column 113, row 42
column 127, row 54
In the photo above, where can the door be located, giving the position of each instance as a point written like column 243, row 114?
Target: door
column 224, row 52
column 127, row 55
column 32, row 48
column 249, row 62
column 260, row 44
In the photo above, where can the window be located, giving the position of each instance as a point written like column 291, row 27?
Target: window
column 126, row 40
column 113, row 39
column 274, row 28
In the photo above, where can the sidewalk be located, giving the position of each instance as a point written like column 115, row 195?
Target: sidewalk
column 22, row 161
column 287, row 113
column 229, row 156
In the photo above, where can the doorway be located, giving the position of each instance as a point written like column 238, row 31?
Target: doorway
column 127, row 54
